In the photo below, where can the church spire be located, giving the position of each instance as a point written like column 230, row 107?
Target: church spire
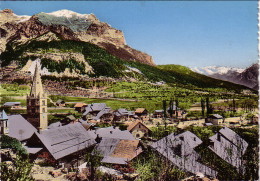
column 36, row 89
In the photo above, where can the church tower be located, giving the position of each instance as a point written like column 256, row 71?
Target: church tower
column 37, row 103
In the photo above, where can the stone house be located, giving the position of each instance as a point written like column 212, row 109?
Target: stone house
column 123, row 115
column 158, row 113
column 229, row 146
column 215, row 119
column 138, row 129
column 65, row 145
column 3, row 123
column 80, row 107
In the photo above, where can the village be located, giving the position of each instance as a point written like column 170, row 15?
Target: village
column 108, row 141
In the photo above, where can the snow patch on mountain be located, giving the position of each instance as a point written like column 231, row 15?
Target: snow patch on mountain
column 68, row 14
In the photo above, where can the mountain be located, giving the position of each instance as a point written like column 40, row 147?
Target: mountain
column 247, row 77
column 66, row 25
column 79, row 47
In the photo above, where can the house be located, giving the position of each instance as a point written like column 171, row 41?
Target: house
column 93, row 109
column 229, row 146
column 215, row 119
column 3, row 123
column 141, row 112
column 80, row 107
column 12, row 105
column 179, row 150
column 20, row 128
column 158, row 113
column 104, row 115
column 69, row 119
column 118, row 151
column 114, row 132
column 255, row 119
column 124, row 115
column 60, row 103
column 138, row 129
column 65, row 145
column 173, row 110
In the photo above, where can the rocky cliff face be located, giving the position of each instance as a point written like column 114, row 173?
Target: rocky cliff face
column 66, row 25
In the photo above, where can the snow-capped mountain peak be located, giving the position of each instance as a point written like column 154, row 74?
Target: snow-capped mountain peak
column 210, row 70
column 68, row 14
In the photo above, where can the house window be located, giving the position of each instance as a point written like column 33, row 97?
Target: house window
column 194, row 139
column 182, row 138
column 43, row 110
column 43, row 103
column 137, row 135
column 139, row 126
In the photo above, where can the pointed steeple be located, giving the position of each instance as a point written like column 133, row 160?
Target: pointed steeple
column 36, row 89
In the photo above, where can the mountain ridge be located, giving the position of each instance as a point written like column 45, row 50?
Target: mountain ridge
column 20, row 30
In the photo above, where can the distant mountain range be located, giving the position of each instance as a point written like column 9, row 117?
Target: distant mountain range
column 247, row 77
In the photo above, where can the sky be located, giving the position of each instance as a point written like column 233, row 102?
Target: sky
column 189, row 33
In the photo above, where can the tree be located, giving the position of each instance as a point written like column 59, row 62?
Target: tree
column 164, row 108
column 202, row 107
column 93, row 162
column 18, row 170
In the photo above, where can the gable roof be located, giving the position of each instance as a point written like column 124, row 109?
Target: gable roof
column 80, row 104
column 117, row 151
column 116, row 133
column 121, row 112
column 217, row 116
column 65, row 140
column 131, row 126
column 12, row 103
column 20, row 128
column 94, row 107
column 126, row 149
column 232, row 137
column 71, row 117
column 187, row 139
column 3, row 115
column 140, row 110
column 60, row 101
column 106, row 110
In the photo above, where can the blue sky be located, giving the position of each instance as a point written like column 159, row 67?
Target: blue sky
column 188, row 33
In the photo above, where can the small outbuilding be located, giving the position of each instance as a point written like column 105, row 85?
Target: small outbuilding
column 60, row 103
column 215, row 119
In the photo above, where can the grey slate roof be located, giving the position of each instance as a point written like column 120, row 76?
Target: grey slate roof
column 115, row 133
column 232, row 137
column 54, row 125
column 122, row 112
column 94, row 107
column 3, row 115
column 159, row 111
column 186, row 160
column 106, row 110
column 60, row 101
column 65, row 140
column 106, row 146
column 20, row 128
column 116, row 160
column 12, row 103
column 217, row 116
